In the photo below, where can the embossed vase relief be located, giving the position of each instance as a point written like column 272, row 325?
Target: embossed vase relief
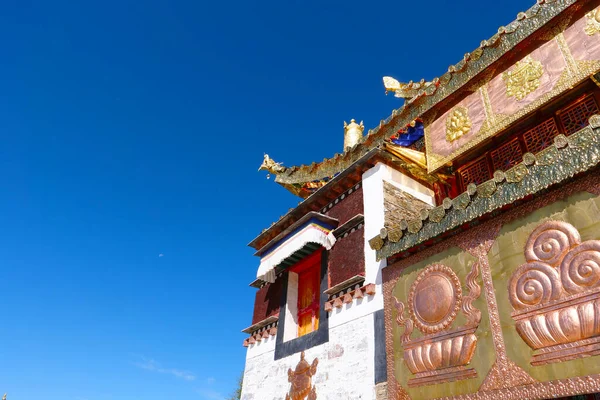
column 301, row 380
column 443, row 353
column 556, row 294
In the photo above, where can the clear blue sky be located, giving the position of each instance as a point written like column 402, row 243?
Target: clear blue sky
column 131, row 130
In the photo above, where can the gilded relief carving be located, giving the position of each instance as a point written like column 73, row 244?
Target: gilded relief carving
column 556, row 294
column 524, row 78
column 301, row 380
column 434, row 300
column 592, row 25
column 457, row 123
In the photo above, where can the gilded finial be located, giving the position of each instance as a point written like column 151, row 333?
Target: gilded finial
column 4, row 397
column 593, row 22
column 353, row 133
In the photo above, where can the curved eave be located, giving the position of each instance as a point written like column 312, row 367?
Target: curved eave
column 345, row 180
column 528, row 27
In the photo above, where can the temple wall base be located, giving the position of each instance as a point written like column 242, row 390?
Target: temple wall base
column 345, row 370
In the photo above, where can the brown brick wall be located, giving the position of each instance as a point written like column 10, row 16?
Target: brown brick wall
column 348, row 207
column 347, row 258
column 267, row 301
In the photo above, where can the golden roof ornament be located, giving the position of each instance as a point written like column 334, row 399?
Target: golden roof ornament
column 271, row 166
column 353, row 133
column 593, row 22
column 4, row 397
column 457, row 123
column 404, row 90
column 524, row 78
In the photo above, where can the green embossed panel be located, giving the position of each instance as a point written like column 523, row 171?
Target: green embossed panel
column 581, row 210
column 461, row 263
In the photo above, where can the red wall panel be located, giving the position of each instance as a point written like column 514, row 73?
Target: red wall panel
column 267, row 301
column 347, row 208
column 347, row 258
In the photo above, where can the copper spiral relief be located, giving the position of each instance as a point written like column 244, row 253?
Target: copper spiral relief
column 556, row 294
column 434, row 300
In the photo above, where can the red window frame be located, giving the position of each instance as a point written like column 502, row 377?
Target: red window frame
column 309, row 284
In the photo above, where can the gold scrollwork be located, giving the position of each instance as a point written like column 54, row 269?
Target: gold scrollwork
column 458, row 123
column 524, row 78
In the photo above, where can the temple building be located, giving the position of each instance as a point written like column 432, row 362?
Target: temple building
column 453, row 251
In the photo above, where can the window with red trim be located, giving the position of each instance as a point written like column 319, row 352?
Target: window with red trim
column 309, row 293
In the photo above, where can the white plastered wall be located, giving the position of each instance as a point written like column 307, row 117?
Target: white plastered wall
column 291, row 312
column 345, row 370
column 374, row 212
column 346, row 362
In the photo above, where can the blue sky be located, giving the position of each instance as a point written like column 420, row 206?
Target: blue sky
column 130, row 137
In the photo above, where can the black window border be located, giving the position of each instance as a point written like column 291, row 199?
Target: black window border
column 316, row 338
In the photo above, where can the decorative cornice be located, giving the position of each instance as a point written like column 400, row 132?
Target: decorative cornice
column 357, row 279
column 352, row 225
column 261, row 324
column 557, row 163
column 261, row 333
column 337, row 301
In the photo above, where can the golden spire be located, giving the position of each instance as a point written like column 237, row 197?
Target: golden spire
column 353, row 133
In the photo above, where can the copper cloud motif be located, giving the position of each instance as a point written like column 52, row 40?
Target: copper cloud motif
column 556, row 294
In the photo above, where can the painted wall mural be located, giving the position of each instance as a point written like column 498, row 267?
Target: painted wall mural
column 556, row 294
column 533, row 333
column 301, row 380
column 570, row 55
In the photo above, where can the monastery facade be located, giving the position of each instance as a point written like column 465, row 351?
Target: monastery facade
column 453, row 251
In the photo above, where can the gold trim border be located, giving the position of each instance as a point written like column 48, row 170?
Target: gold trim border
column 542, row 390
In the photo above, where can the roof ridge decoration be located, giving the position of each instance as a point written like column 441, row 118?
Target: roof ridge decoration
column 568, row 156
column 423, row 96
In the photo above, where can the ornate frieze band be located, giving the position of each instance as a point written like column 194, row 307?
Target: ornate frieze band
column 553, row 68
column 567, row 157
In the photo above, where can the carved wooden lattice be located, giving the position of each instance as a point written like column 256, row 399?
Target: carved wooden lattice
column 476, row 172
column 507, row 155
column 575, row 117
column 541, row 136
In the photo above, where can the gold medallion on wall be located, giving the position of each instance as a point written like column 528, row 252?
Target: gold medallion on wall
column 592, row 25
column 523, row 78
column 458, row 123
column 301, row 380
column 435, row 299
column 556, row 294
